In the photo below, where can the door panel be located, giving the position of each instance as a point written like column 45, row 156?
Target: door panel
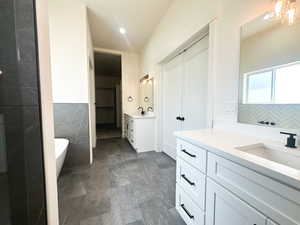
column 224, row 208
column 195, row 87
column 172, row 80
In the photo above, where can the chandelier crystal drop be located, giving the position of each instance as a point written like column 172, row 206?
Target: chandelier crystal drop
column 286, row 10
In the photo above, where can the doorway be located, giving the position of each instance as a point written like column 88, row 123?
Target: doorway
column 108, row 92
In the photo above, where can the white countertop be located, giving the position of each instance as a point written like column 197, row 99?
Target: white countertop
column 139, row 116
column 225, row 143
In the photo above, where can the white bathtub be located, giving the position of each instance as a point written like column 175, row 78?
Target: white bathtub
column 61, row 148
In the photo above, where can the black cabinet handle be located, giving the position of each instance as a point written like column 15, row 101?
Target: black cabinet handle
column 182, row 119
column 187, row 212
column 178, row 118
column 189, row 154
column 187, row 180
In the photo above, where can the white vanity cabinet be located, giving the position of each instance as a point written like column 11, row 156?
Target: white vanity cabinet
column 191, row 183
column 210, row 183
column 139, row 131
column 224, row 208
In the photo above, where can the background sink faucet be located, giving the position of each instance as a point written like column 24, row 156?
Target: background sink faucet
column 142, row 110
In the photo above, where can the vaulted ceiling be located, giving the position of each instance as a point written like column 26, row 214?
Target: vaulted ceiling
column 138, row 17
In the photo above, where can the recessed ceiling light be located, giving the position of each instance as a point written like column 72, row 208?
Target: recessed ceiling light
column 122, row 30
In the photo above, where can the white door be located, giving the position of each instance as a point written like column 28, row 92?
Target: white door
column 185, row 81
column 172, row 79
column 224, row 208
column 195, row 86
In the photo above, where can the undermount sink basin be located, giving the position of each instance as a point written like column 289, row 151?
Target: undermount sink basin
column 281, row 155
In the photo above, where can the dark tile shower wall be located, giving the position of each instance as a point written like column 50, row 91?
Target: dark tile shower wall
column 71, row 121
column 20, row 106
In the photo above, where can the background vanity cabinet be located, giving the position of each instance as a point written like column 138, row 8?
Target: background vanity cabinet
column 139, row 131
column 228, row 193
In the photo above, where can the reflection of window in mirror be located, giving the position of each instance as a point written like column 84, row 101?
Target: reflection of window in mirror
column 275, row 85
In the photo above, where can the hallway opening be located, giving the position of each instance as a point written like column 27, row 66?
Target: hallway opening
column 108, row 91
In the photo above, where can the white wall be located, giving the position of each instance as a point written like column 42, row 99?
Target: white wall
column 69, row 51
column 182, row 20
column 277, row 45
column 130, row 74
column 92, row 94
column 185, row 18
column 47, row 112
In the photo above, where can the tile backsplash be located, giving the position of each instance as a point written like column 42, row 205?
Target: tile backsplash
column 284, row 115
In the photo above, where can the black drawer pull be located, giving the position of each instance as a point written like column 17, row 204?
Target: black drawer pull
column 187, row 212
column 187, row 180
column 194, row 156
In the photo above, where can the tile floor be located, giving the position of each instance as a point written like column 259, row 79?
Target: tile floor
column 120, row 188
column 108, row 133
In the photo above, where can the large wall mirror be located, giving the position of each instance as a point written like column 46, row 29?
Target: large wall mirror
column 147, row 94
column 269, row 93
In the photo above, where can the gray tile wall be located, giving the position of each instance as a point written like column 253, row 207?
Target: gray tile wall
column 71, row 121
column 285, row 116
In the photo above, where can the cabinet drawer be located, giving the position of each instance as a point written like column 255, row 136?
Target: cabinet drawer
column 279, row 202
column 192, row 182
column 192, row 154
column 188, row 210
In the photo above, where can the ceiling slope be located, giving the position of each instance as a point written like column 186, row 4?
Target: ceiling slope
column 138, row 17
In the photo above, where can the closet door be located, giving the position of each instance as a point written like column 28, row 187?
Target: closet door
column 195, row 86
column 172, row 79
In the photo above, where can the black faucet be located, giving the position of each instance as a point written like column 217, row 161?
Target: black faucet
column 142, row 112
column 291, row 141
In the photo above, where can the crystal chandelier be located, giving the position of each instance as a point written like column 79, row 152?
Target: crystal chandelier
column 286, row 10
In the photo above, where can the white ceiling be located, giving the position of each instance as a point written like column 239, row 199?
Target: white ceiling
column 138, row 17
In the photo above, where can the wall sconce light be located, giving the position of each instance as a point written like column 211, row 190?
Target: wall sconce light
column 144, row 79
column 130, row 99
column 146, row 99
